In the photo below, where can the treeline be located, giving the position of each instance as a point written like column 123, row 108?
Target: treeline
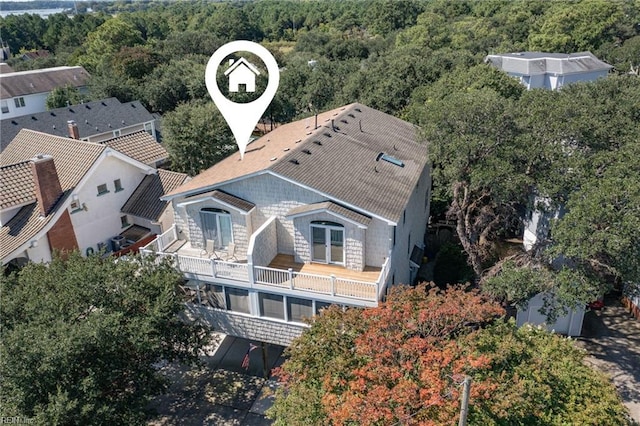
column 24, row 5
column 376, row 51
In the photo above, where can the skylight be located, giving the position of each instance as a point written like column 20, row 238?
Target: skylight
column 390, row 159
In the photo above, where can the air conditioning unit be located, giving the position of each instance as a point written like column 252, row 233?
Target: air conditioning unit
column 116, row 242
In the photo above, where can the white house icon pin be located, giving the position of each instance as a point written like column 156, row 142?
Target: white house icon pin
column 242, row 118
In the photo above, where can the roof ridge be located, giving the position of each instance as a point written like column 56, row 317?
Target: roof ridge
column 15, row 164
column 79, row 141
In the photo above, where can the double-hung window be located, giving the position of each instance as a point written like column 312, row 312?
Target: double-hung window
column 216, row 227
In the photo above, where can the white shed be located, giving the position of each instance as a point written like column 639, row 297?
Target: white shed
column 569, row 324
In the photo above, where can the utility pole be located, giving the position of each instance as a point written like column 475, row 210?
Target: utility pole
column 464, row 408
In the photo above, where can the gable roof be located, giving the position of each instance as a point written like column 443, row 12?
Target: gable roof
column 534, row 63
column 338, row 160
column 330, row 207
column 140, row 146
column 91, row 118
column 224, row 197
column 145, row 201
column 43, row 80
column 72, row 158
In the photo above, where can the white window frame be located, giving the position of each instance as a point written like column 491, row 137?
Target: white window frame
column 328, row 229
column 218, row 213
column 19, row 102
column 106, row 189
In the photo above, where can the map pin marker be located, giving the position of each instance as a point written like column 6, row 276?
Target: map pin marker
column 242, row 117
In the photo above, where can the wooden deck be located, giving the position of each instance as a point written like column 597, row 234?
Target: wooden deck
column 284, row 261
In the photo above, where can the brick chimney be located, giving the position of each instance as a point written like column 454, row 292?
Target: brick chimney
column 74, row 133
column 47, row 184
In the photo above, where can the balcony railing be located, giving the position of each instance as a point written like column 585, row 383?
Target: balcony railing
column 332, row 285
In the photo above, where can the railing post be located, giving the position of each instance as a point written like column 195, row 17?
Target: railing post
column 290, row 270
column 333, row 285
column 213, row 267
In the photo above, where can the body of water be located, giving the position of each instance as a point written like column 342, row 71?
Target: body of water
column 42, row 12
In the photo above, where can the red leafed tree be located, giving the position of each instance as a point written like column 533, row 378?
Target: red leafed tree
column 402, row 363
column 399, row 362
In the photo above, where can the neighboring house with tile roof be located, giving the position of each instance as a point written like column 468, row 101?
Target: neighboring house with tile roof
column 61, row 193
column 539, row 70
column 25, row 92
column 94, row 121
column 311, row 216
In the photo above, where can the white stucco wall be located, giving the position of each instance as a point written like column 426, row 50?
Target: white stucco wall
column 101, row 219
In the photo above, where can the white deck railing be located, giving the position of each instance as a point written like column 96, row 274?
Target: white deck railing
column 266, row 276
column 165, row 239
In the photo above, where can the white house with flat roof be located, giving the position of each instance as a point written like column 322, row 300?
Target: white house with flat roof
column 538, row 70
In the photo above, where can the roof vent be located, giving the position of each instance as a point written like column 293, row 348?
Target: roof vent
column 53, row 114
column 33, row 118
column 318, row 143
column 54, row 127
column 14, row 122
column 273, row 158
column 286, row 149
column 327, row 134
column 103, row 104
column 351, row 115
column 299, row 140
column 133, row 105
column 389, row 159
column 306, row 151
column 122, row 121
column 358, row 109
column 344, row 121
column 71, row 110
column 294, row 161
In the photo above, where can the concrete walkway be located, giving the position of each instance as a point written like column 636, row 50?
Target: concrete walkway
column 612, row 338
column 221, row 392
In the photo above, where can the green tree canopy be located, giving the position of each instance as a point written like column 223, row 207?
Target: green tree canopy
column 196, row 136
column 106, row 40
column 80, row 338
column 63, row 96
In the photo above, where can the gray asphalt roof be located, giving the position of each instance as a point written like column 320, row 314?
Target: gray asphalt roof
column 533, row 63
column 42, row 80
column 340, row 159
column 145, row 201
column 91, row 117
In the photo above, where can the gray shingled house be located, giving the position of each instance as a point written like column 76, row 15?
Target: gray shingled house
column 326, row 210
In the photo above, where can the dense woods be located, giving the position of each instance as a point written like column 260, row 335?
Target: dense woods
column 494, row 147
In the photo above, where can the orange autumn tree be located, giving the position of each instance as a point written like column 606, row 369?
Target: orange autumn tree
column 402, row 364
column 399, row 362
